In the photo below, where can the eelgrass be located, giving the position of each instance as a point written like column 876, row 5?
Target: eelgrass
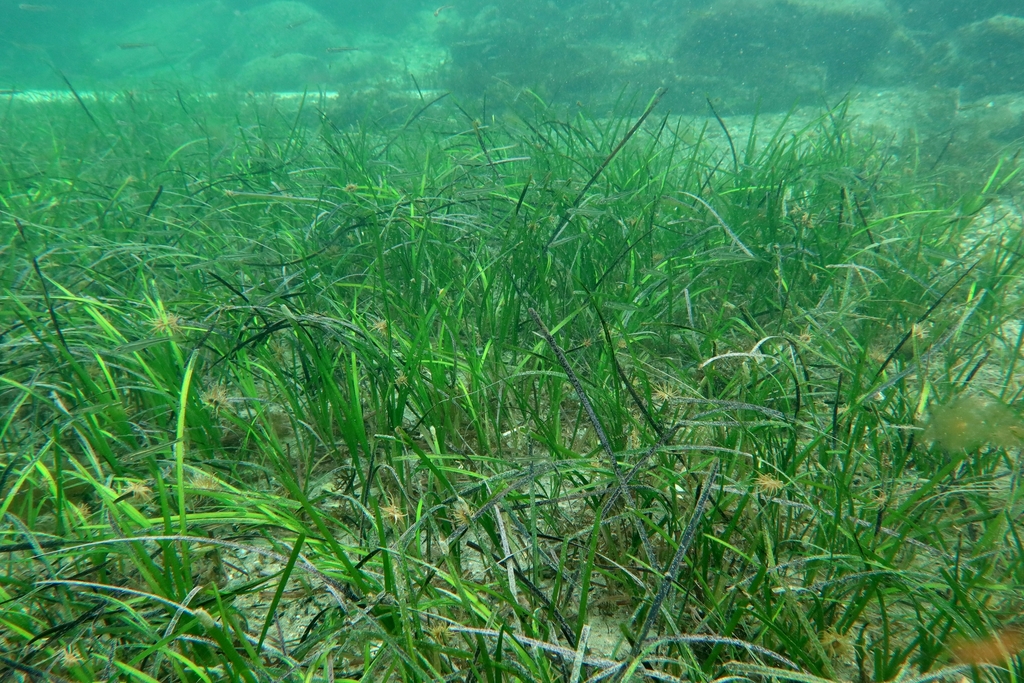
column 274, row 408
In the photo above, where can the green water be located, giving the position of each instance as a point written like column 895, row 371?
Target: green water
column 520, row 341
column 741, row 53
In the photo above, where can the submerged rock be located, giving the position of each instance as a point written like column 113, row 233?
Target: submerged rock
column 282, row 26
column 551, row 49
column 775, row 51
column 942, row 15
column 986, row 57
column 280, row 45
column 984, row 128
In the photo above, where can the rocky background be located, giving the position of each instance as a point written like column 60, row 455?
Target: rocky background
column 744, row 55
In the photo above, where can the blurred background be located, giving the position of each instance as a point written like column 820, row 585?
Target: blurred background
column 744, row 55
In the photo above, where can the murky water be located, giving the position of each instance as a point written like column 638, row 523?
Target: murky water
column 741, row 55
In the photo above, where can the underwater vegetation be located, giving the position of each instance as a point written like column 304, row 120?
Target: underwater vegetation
column 523, row 396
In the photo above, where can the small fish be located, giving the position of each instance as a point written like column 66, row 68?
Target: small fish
column 300, row 22
column 333, row 50
column 24, row 7
column 442, row 8
column 135, row 46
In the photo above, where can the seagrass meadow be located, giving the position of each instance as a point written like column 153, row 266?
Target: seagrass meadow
column 530, row 395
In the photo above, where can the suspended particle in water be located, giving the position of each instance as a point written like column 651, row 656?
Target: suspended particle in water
column 995, row 649
column 972, row 421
